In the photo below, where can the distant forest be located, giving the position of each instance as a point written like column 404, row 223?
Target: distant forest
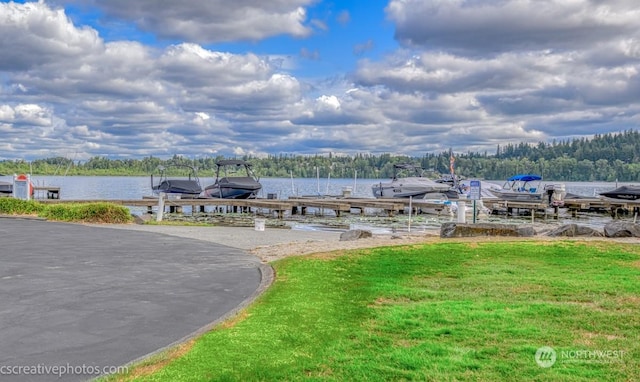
column 605, row 157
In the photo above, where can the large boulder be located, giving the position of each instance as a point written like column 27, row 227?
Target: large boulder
column 619, row 228
column 355, row 234
column 574, row 230
column 449, row 230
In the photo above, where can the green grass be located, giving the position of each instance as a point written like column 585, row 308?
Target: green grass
column 439, row 312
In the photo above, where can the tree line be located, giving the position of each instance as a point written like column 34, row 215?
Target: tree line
column 605, row 157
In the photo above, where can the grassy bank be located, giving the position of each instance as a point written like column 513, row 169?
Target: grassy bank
column 440, row 312
column 80, row 212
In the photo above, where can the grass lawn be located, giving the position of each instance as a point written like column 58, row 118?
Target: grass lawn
column 441, row 312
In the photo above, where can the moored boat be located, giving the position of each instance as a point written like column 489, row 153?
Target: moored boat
column 409, row 181
column 629, row 193
column 179, row 186
column 6, row 188
column 234, row 180
column 529, row 188
column 521, row 187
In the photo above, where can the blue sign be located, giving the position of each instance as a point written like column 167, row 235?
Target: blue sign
column 475, row 192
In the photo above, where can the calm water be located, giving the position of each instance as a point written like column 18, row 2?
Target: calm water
column 132, row 187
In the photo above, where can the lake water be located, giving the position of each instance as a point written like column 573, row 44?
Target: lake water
column 135, row 187
column 132, row 187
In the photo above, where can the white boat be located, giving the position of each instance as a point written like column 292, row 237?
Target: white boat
column 408, row 181
column 521, row 187
column 529, row 188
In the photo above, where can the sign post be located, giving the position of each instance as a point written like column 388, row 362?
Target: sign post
column 475, row 193
column 22, row 187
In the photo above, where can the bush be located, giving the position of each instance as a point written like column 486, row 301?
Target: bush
column 77, row 212
column 89, row 213
column 12, row 206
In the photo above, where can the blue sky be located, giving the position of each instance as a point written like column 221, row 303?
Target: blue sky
column 127, row 79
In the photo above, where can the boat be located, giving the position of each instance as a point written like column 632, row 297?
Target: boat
column 6, row 188
column 628, row 193
column 521, row 187
column 177, row 187
column 234, row 180
column 409, row 181
column 529, row 188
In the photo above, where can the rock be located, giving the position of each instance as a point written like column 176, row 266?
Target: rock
column 355, row 234
column 618, row 228
column 573, row 230
column 142, row 219
column 449, row 230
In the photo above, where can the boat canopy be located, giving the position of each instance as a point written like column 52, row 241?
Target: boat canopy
column 524, row 178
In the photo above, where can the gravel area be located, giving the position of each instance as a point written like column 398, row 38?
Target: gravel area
column 275, row 243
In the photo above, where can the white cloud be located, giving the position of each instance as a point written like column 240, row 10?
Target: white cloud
column 211, row 20
column 471, row 74
column 481, row 27
column 36, row 34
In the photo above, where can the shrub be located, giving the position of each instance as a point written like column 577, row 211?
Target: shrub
column 77, row 212
column 12, row 206
column 89, row 213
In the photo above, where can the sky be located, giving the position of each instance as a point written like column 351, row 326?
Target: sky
column 136, row 78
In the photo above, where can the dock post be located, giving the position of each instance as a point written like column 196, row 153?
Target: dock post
column 160, row 207
column 462, row 211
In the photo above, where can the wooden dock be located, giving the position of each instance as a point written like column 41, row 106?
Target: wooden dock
column 514, row 208
column 46, row 192
column 341, row 205
column 612, row 206
column 293, row 205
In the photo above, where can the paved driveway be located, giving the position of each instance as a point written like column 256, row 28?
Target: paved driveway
column 83, row 299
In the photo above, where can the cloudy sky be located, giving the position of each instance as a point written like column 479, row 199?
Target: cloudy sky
column 128, row 79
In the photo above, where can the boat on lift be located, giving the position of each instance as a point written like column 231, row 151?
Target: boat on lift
column 628, row 193
column 188, row 186
column 521, row 187
column 234, row 180
column 529, row 188
column 409, row 181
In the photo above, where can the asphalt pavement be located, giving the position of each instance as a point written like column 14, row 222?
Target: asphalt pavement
column 77, row 301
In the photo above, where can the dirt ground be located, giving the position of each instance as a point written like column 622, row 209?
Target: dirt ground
column 270, row 253
column 273, row 244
